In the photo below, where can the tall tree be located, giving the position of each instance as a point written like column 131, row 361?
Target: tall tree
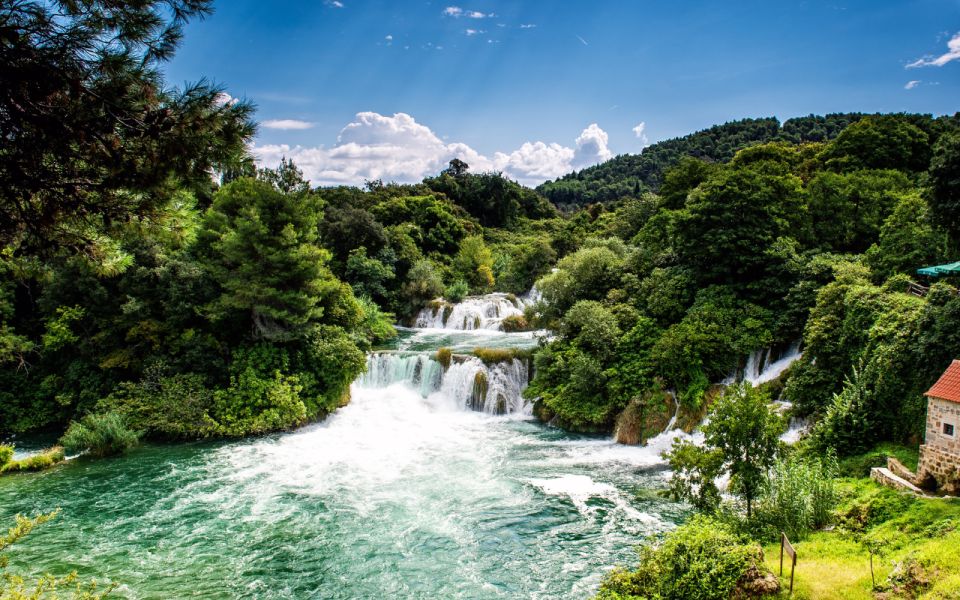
column 91, row 136
column 261, row 245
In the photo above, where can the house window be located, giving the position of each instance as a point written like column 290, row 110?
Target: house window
column 948, row 429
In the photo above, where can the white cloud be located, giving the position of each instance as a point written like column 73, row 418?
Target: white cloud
column 912, row 84
column 952, row 54
column 388, row 38
column 528, row 26
column 535, row 161
column 591, row 147
column 398, row 148
column 286, row 124
column 640, row 132
column 474, row 31
column 457, row 12
column 334, row 3
column 583, row 41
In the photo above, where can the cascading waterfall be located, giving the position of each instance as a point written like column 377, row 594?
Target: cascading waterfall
column 417, row 370
column 468, row 382
column 475, row 312
column 765, row 365
column 402, row 493
column 495, row 389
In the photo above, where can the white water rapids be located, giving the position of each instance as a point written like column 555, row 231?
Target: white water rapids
column 412, row 490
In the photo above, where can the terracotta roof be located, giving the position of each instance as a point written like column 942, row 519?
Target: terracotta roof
column 948, row 386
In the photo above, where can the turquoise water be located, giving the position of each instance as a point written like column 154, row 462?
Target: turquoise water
column 394, row 496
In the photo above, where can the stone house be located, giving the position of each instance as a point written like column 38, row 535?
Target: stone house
column 940, row 453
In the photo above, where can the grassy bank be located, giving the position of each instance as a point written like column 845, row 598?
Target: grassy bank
column 916, row 540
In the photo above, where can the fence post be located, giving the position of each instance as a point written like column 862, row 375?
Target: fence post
column 786, row 546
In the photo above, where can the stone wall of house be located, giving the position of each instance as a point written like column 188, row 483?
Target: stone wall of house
column 940, row 455
column 938, row 412
column 943, row 466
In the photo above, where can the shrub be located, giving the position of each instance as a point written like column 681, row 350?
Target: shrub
column 99, row 434
column 170, row 406
column 457, row 291
column 6, row 454
column 492, row 356
column 444, row 356
column 701, row 560
column 515, row 323
column 798, row 497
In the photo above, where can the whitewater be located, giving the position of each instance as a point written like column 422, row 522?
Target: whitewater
column 415, row 489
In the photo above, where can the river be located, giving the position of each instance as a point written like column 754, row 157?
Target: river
column 404, row 493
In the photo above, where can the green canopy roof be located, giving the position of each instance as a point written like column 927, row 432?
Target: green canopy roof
column 937, row 271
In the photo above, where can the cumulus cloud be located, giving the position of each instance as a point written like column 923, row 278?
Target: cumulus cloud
column 472, row 32
column 453, row 11
column 286, row 124
column 591, row 147
column 528, row 26
column 911, row 84
column 398, row 148
column 334, row 3
column 952, row 54
column 535, row 161
column 641, row 132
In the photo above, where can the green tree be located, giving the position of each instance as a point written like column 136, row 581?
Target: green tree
column 423, row 284
column 879, row 142
column 704, row 559
column 945, row 184
column 732, row 220
column 908, row 239
column 474, row 263
column 743, row 435
column 261, row 246
column 91, row 137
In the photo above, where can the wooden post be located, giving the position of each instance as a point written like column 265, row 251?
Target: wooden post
column 786, row 546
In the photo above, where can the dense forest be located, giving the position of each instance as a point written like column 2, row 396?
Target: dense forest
column 154, row 283
column 634, row 174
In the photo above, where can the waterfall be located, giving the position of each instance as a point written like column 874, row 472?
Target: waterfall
column 765, row 365
column 475, row 312
column 415, row 369
column 468, row 382
column 495, row 389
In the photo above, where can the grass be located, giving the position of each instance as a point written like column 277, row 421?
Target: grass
column 859, row 466
column 836, row 564
column 37, row 462
column 444, row 355
column 492, row 356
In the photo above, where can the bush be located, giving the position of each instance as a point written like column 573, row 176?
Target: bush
column 444, row 356
column 457, row 291
column 99, row 434
column 492, row 356
column 6, row 454
column 171, row 406
column 515, row 323
column 798, row 497
column 701, row 560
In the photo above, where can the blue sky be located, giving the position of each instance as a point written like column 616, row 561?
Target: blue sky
column 361, row 89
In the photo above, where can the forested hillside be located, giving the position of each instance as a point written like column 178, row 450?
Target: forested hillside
column 634, row 174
